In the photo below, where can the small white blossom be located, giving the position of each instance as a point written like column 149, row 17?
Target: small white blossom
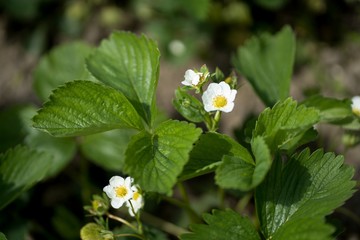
column 356, row 105
column 137, row 201
column 219, row 96
column 191, row 78
column 119, row 190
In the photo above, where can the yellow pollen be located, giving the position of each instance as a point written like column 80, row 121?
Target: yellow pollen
column 136, row 195
column 219, row 101
column 121, row 191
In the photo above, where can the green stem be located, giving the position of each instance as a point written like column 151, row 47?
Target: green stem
column 215, row 122
column 349, row 214
column 116, row 218
column 244, row 201
column 129, row 235
column 191, row 212
column 162, row 224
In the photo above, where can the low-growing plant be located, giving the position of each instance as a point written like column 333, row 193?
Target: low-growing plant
column 110, row 113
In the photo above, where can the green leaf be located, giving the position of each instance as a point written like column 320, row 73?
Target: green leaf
column 226, row 224
column 285, row 122
column 2, row 236
column 267, row 63
column 188, row 106
column 62, row 64
column 209, row 151
column 107, row 149
column 84, row 107
column 302, row 191
column 238, row 173
column 271, row 4
column 11, row 127
column 20, row 168
column 155, row 160
column 331, row 110
column 61, row 149
column 16, row 124
column 130, row 64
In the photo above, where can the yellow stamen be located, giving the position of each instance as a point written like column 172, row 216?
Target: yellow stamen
column 136, row 195
column 219, row 101
column 121, row 191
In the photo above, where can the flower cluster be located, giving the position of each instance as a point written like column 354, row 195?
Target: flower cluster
column 217, row 97
column 122, row 191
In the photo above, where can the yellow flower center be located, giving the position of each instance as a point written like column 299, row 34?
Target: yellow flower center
column 219, row 101
column 136, row 195
column 121, row 191
column 356, row 111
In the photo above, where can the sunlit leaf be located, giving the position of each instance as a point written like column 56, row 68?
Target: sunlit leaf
column 300, row 193
column 84, row 107
column 237, row 173
column 208, row 153
column 130, row 64
column 285, row 122
column 267, row 63
column 155, row 160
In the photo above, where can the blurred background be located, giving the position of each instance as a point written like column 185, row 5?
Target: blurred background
column 189, row 34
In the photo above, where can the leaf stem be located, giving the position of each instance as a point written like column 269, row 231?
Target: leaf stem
column 191, row 212
column 116, row 218
column 129, row 235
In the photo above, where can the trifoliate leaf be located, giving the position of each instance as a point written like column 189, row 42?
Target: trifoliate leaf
column 331, row 110
column 267, row 63
column 130, row 64
column 20, row 168
column 223, row 225
column 62, row 64
column 188, row 106
column 209, row 151
column 155, row 160
column 284, row 122
column 84, row 107
column 238, row 173
column 302, row 191
column 107, row 149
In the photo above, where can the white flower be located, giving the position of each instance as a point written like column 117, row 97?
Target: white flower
column 219, row 96
column 191, row 78
column 356, row 105
column 137, row 201
column 119, row 190
column 177, row 47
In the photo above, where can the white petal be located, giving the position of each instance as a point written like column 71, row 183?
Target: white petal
column 128, row 181
column 228, row 108
column 109, row 191
column 116, row 181
column 232, row 96
column 225, row 88
column 117, row 202
column 355, row 102
column 186, row 83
